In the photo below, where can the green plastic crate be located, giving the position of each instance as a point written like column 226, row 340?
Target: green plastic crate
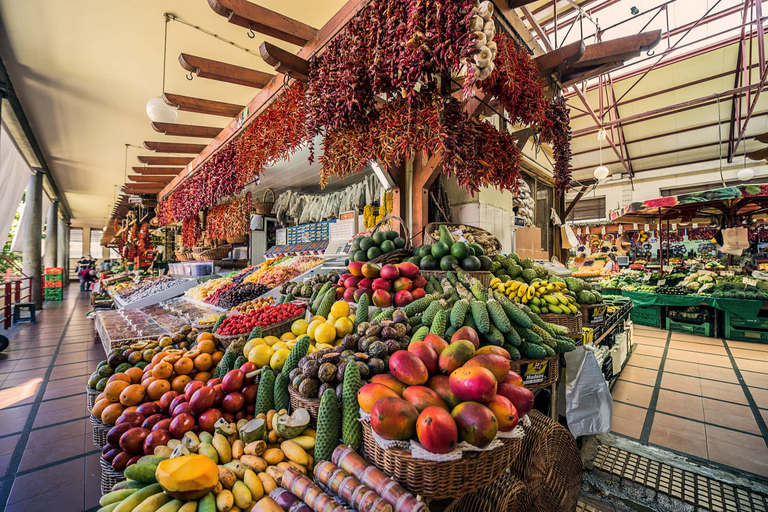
column 734, row 334
column 697, row 329
column 53, row 277
column 732, row 320
column 646, row 315
column 54, row 294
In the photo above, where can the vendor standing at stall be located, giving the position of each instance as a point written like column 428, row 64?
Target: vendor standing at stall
column 611, row 265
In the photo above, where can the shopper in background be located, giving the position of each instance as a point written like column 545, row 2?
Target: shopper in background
column 612, row 265
column 83, row 276
column 82, row 263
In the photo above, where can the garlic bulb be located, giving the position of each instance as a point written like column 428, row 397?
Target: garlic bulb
column 485, row 10
column 492, row 46
column 476, row 24
column 480, row 39
column 486, row 71
column 483, row 57
column 489, row 29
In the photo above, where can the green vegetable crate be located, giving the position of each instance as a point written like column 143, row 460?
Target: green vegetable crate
column 54, row 293
column 646, row 315
column 699, row 330
column 746, row 329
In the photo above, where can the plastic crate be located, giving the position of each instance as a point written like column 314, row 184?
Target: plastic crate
column 732, row 320
column 745, row 335
column 54, row 294
column 698, row 330
column 54, row 270
column 53, row 284
column 53, row 277
column 646, row 315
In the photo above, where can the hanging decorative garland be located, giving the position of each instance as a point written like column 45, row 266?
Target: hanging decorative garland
column 230, row 219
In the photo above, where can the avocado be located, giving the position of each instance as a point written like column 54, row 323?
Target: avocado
column 429, row 263
column 447, row 262
column 414, row 259
column 379, row 237
column 485, row 263
column 471, row 251
column 399, row 242
column 440, row 249
column 356, row 242
column 477, row 249
column 387, row 246
column 445, row 236
column 459, row 250
column 391, row 235
column 425, row 250
column 374, row 252
column 470, row 263
column 366, row 243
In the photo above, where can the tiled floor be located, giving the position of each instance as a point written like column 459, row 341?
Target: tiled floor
column 46, row 450
column 683, row 392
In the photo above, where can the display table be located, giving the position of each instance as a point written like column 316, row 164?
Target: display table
column 743, row 308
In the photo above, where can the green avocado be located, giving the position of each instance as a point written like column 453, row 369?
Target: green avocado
column 447, row 262
column 470, row 263
column 440, row 249
column 459, row 250
column 429, row 263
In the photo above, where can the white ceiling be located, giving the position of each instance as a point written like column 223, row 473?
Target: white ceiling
column 84, row 71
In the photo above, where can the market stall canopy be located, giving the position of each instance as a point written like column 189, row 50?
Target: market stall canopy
column 697, row 207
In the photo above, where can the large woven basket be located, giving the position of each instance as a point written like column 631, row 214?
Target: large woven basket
column 397, row 255
column 439, row 480
column 537, row 379
column 573, row 323
column 226, row 341
column 100, row 430
column 433, row 226
column 483, row 276
column 109, row 477
column 264, row 207
column 312, row 405
column 217, row 253
column 505, row 494
column 549, row 464
column 90, row 397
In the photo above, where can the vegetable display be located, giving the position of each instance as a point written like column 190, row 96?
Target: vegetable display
column 230, row 219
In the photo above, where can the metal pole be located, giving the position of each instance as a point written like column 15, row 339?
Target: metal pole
column 33, row 229
column 62, row 250
column 51, row 235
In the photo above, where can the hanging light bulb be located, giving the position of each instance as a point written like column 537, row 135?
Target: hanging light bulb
column 160, row 112
column 601, row 172
column 746, row 174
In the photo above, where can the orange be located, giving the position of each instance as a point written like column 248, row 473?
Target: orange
column 162, row 370
column 203, row 362
column 179, row 382
column 156, row 389
column 99, row 407
column 111, row 413
column 203, row 376
column 172, row 358
column 132, row 395
column 204, row 336
column 183, row 366
column 216, row 356
column 113, row 390
column 206, row 346
column 135, row 374
column 158, row 357
column 119, row 376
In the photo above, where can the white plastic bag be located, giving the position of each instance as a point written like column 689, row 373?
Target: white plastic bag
column 588, row 402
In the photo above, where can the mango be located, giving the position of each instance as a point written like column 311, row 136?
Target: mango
column 191, row 506
column 254, row 485
column 476, row 423
column 455, row 355
column 422, row 397
column 436, row 430
column 473, row 384
column 171, row 506
column 369, row 394
column 295, row 452
column 115, row 496
column 242, row 495
column 441, row 385
column 496, row 364
column 225, row 501
column 394, row 418
column 267, row 482
column 153, row 503
column 505, row 412
column 189, row 477
column 223, row 448
column 209, row 451
column 273, row 456
column 408, row 368
column 135, row 499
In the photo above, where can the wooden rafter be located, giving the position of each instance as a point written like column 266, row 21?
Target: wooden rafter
column 762, row 138
column 223, row 72
column 560, row 59
column 149, row 179
column 174, row 147
column 140, row 192
column 186, row 130
column 284, row 61
column 202, row 106
column 157, row 171
column 260, row 19
column 760, row 154
column 164, row 160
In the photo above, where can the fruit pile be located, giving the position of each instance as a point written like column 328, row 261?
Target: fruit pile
column 541, row 296
column 253, row 304
column 512, row 267
column 447, row 253
column 262, row 317
column 308, row 287
column 397, row 285
column 366, row 248
column 240, row 293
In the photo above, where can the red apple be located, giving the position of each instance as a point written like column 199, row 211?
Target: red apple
column 208, row 419
column 356, row 268
column 419, row 282
column 403, row 298
column 382, row 299
column 390, row 272
column 403, row 283
column 418, row 293
column 408, row 269
column 181, row 424
column 382, row 284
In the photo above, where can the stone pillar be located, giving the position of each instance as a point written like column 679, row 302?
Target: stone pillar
column 32, row 230
column 51, row 235
column 62, row 249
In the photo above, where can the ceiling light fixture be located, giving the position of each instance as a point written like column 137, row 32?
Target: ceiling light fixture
column 601, row 172
column 157, row 109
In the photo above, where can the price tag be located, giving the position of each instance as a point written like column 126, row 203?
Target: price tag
column 647, row 227
column 750, row 282
column 578, row 231
column 621, row 228
column 727, row 273
column 695, row 225
column 661, row 282
column 674, row 226
column 603, row 230
column 634, row 226
column 647, row 277
column 667, row 268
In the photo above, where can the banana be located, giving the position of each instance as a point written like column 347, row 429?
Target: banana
column 550, row 299
column 554, row 309
column 522, row 289
column 495, row 280
column 530, row 293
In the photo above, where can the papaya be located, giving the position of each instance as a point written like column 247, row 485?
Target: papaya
column 189, row 477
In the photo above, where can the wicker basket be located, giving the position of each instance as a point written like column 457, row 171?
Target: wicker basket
column 100, row 430
column 312, row 405
column 433, row 226
column 532, row 380
column 549, row 464
column 226, row 341
column 217, row 253
column 588, row 313
column 281, row 327
column 90, row 397
column 483, row 276
column 264, row 207
column 397, row 255
column 439, row 480
column 505, row 494
column 572, row 322
column 109, row 477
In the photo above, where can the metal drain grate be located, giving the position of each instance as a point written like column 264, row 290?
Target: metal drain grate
column 695, row 489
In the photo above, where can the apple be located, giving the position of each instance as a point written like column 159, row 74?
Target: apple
column 403, row 298
column 419, row 282
column 356, row 268
column 403, row 283
column 408, row 269
column 382, row 284
column 419, row 293
column 382, row 299
column 390, row 272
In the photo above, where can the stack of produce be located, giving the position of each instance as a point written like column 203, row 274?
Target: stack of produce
column 265, row 316
column 213, row 298
column 542, row 296
column 366, row 248
column 486, row 241
column 146, row 288
column 397, row 285
column 245, row 307
column 204, row 290
column 449, row 252
column 308, row 287
column 240, row 293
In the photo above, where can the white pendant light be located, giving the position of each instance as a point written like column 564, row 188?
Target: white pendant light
column 746, row 174
column 601, row 172
column 160, row 112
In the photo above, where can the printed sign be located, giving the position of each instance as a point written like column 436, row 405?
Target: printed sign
column 727, row 273
column 647, row 277
column 634, row 226
column 661, row 282
column 534, row 372
column 695, row 225
column 750, row 282
column 647, row 227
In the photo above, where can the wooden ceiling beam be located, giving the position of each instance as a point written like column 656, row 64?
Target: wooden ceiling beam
column 223, row 72
column 186, row 130
column 137, row 192
column 150, row 179
column 174, row 147
column 202, row 106
column 621, row 49
column 574, row 76
column 164, row 160
column 560, row 59
column 156, row 171
column 284, row 61
column 260, row 19
column 514, row 4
